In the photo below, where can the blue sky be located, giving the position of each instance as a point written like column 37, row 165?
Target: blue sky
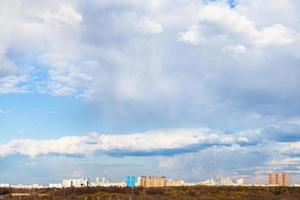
column 116, row 88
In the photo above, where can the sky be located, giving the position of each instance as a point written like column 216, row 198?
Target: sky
column 129, row 87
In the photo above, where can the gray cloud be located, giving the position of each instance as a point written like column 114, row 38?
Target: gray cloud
column 128, row 61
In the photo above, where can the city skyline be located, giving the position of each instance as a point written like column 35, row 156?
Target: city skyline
column 274, row 180
column 118, row 88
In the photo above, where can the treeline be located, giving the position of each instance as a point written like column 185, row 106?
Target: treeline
column 166, row 193
column 4, row 191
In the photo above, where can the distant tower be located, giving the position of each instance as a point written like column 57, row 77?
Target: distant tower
column 214, row 167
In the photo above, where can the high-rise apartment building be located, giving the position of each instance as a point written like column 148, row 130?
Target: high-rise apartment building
column 130, row 181
column 153, row 181
column 272, row 179
column 82, row 182
column 279, row 179
column 285, row 179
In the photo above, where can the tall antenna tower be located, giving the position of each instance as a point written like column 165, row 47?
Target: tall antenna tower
column 214, row 167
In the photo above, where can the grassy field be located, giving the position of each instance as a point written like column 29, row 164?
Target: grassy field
column 167, row 193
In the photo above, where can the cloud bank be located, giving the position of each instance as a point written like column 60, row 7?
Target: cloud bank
column 148, row 143
column 163, row 142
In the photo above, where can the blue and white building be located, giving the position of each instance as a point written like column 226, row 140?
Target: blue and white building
column 130, row 181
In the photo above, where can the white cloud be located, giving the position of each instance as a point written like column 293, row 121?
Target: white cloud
column 275, row 35
column 280, row 11
column 192, row 36
column 64, row 36
column 231, row 22
column 11, row 84
column 69, row 75
column 31, row 29
column 11, row 76
column 235, row 50
column 284, row 162
column 147, row 25
column 291, row 148
column 166, row 142
column 63, row 16
column 139, row 143
column 103, row 58
column 58, row 89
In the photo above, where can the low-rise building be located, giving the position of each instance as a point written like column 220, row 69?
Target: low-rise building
column 153, row 181
column 4, row 185
column 29, row 186
column 209, row 182
column 117, row 184
column 225, row 181
column 55, row 185
column 175, row 182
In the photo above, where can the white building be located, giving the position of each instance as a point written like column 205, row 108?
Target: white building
column 240, row 181
column 138, row 183
column 97, row 180
column 81, row 182
column 4, row 185
column 103, row 180
column 30, row 186
column 225, row 181
column 118, row 184
column 55, row 185
column 209, row 182
column 108, row 184
column 67, row 183
column 175, row 182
